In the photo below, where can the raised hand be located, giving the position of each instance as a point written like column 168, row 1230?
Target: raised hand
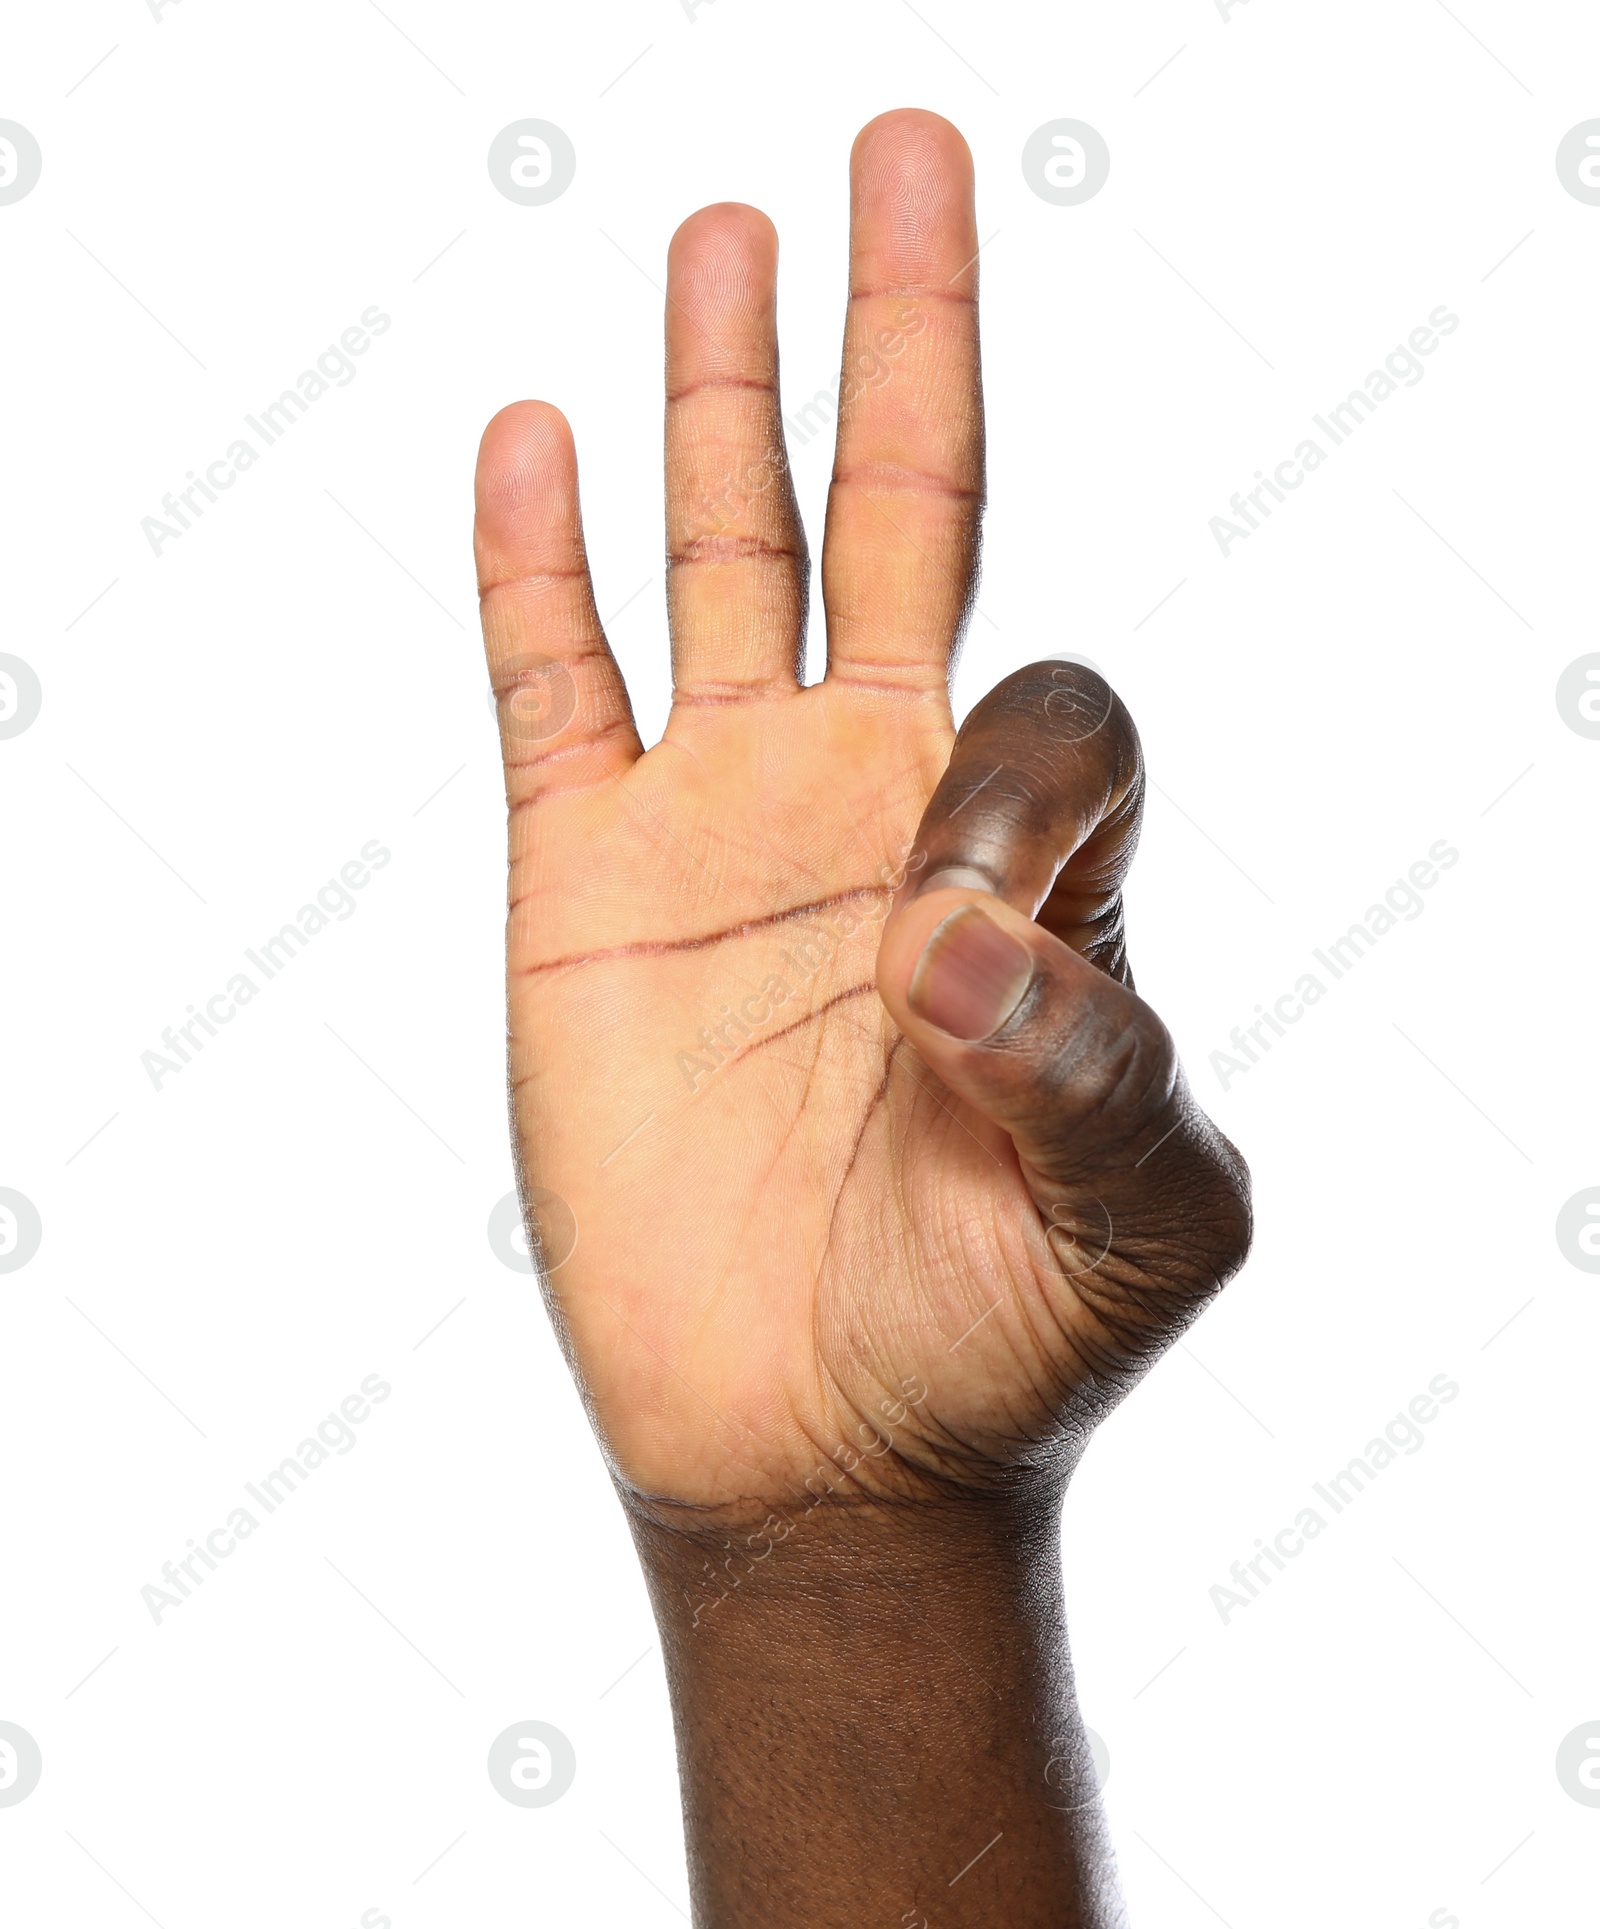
column 948, row 1194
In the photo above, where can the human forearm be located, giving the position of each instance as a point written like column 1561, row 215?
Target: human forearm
column 876, row 1721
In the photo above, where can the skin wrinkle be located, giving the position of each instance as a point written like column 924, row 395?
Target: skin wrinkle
column 785, row 1113
column 811, row 1071
column 908, row 777
column 809, row 875
column 914, row 679
column 916, row 291
column 1103, row 1071
column 664, row 947
column 728, row 696
column 850, row 1164
column 919, row 1090
column 798, row 1024
column 568, row 753
column 598, row 652
column 759, row 1045
column 879, row 1097
column 917, row 686
column 758, row 382
column 533, row 579
column 897, row 479
column 730, row 549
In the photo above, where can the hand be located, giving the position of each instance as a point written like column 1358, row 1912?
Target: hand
column 914, row 1211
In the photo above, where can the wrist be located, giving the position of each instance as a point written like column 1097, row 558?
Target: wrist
column 833, row 1553
column 869, row 1703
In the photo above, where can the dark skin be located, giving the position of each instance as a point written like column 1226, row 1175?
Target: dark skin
column 887, row 1184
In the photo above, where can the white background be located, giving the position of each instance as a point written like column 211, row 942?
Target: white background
column 1372, row 1740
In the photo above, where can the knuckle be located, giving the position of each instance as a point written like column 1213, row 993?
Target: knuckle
column 1107, row 1075
column 1115, row 1119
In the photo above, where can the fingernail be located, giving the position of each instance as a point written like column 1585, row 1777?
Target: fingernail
column 954, row 877
column 970, row 977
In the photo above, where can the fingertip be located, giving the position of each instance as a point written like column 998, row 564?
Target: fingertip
column 526, row 438
column 526, row 461
column 913, row 224
column 906, row 139
column 722, row 269
column 723, row 225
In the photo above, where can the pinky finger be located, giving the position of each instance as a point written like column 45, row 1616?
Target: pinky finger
column 565, row 722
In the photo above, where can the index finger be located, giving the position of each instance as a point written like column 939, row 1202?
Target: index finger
column 1041, row 805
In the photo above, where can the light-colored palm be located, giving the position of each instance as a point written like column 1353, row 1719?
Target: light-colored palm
column 783, row 1221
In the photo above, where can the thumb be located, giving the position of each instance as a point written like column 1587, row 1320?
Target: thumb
column 1144, row 1203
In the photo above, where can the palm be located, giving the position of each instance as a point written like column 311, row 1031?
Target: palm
column 780, row 1216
